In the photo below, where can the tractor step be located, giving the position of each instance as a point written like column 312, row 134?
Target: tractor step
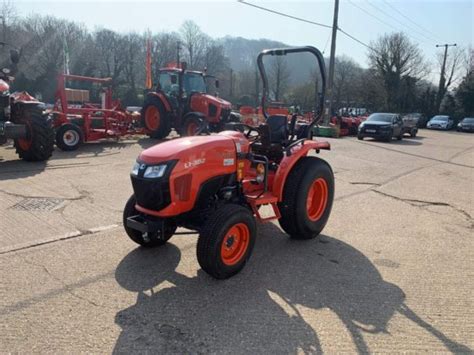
column 256, row 200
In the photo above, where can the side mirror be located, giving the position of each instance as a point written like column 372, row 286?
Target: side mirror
column 174, row 79
column 217, row 84
column 14, row 56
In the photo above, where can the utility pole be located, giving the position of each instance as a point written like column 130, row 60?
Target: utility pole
column 178, row 47
column 332, row 60
column 231, row 89
column 442, row 79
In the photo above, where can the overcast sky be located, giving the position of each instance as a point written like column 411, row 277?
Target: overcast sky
column 440, row 21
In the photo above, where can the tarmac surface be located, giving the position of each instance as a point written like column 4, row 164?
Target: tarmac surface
column 392, row 272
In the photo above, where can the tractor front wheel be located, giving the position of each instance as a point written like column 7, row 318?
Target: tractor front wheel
column 69, row 137
column 144, row 239
column 38, row 145
column 307, row 198
column 226, row 241
column 192, row 126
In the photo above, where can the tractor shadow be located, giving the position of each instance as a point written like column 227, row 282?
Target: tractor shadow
column 259, row 310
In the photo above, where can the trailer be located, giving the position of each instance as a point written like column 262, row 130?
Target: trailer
column 77, row 119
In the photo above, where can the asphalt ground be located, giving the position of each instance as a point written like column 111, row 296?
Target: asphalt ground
column 392, row 272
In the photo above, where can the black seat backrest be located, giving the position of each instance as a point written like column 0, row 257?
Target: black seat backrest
column 278, row 125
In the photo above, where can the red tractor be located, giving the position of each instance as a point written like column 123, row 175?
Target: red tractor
column 217, row 185
column 22, row 119
column 181, row 102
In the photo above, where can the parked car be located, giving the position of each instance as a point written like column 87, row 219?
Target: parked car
column 466, row 125
column 410, row 124
column 440, row 122
column 420, row 118
column 381, row 126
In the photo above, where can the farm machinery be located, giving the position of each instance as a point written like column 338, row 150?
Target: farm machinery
column 181, row 101
column 78, row 120
column 220, row 185
column 22, row 119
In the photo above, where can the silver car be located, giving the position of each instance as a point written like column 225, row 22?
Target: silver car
column 440, row 122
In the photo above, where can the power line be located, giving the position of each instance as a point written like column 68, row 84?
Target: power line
column 394, row 19
column 433, row 35
column 378, row 19
column 307, row 21
column 285, row 15
column 357, row 40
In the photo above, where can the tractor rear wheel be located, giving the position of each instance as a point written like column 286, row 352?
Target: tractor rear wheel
column 147, row 241
column 226, row 241
column 155, row 119
column 69, row 137
column 38, row 145
column 307, row 198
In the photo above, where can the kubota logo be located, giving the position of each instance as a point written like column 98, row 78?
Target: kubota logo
column 192, row 163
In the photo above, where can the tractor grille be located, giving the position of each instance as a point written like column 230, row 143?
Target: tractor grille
column 212, row 110
column 225, row 112
column 153, row 194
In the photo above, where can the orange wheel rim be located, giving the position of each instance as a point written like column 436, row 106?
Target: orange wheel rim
column 317, row 199
column 152, row 118
column 25, row 143
column 192, row 128
column 235, row 244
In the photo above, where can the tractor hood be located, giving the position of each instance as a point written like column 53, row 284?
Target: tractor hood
column 192, row 151
column 217, row 101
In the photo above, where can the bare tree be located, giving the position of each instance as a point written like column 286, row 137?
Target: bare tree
column 346, row 81
column 279, row 77
column 395, row 58
column 195, row 43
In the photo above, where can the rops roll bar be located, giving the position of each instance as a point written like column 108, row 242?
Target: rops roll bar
column 285, row 51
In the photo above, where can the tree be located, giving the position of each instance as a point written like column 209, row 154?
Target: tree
column 279, row 77
column 347, row 76
column 195, row 43
column 398, row 62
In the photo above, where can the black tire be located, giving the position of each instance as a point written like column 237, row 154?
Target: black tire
column 215, row 232
column 192, row 126
column 69, row 137
column 137, row 236
column 413, row 132
column 40, row 137
column 295, row 219
column 400, row 136
column 360, row 137
column 163, row 128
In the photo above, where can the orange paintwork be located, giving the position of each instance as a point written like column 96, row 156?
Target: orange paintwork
column 200, row 103
column 235, row 244
column 317, row 199
column 202, row 157
column 287, row 164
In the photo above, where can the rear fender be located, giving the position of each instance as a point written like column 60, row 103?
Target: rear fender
column 289, row 161
column 163, row 99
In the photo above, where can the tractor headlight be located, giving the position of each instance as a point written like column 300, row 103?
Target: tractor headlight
column 135, row 168
column 155, row 171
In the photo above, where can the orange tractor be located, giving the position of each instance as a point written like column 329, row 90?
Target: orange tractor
column 218, row 185
column 181, row 101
